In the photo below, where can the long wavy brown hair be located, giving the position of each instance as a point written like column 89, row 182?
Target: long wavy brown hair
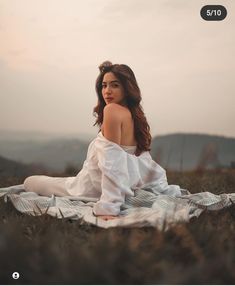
column 133, row 98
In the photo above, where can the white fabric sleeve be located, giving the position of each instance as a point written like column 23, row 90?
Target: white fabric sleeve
column 112, row 161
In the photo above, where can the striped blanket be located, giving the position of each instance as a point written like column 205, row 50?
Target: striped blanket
column 144, row 209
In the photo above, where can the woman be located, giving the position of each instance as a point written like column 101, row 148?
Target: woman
column 118, row 160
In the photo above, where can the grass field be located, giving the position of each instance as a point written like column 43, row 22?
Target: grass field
column 45, row 250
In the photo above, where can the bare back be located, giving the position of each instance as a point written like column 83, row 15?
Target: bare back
column 128, row 137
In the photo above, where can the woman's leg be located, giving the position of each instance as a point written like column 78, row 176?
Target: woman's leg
column 46, row 186
column 14, row 187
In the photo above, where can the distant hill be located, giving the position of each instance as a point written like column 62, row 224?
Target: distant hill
column 12, row 168
column 190, row 151
column 55, row 154
column 174, row 151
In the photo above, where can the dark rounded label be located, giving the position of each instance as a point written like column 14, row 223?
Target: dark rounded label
column 213, row 12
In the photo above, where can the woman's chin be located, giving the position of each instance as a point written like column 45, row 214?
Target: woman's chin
column 109, row 101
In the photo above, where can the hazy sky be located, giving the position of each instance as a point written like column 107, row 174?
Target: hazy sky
column 50, row 51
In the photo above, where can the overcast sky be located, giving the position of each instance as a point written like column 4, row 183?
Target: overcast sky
column 50, row 51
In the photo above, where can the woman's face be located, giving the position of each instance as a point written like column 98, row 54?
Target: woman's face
column 112, row 89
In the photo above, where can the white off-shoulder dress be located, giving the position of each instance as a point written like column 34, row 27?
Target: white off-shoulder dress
column 109, row 174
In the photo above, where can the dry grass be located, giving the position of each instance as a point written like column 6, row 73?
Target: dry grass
column 45, row 250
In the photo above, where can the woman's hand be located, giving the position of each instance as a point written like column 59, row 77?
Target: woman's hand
column 107, row 217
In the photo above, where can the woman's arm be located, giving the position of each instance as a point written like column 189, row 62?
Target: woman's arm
column 112, row 123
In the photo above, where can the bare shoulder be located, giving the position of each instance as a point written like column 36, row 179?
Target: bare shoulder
column 115, row 121
column 113, row 107
column 116, row 110
column 112, row 123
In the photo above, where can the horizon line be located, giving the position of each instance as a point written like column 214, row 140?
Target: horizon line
column 51, row 133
